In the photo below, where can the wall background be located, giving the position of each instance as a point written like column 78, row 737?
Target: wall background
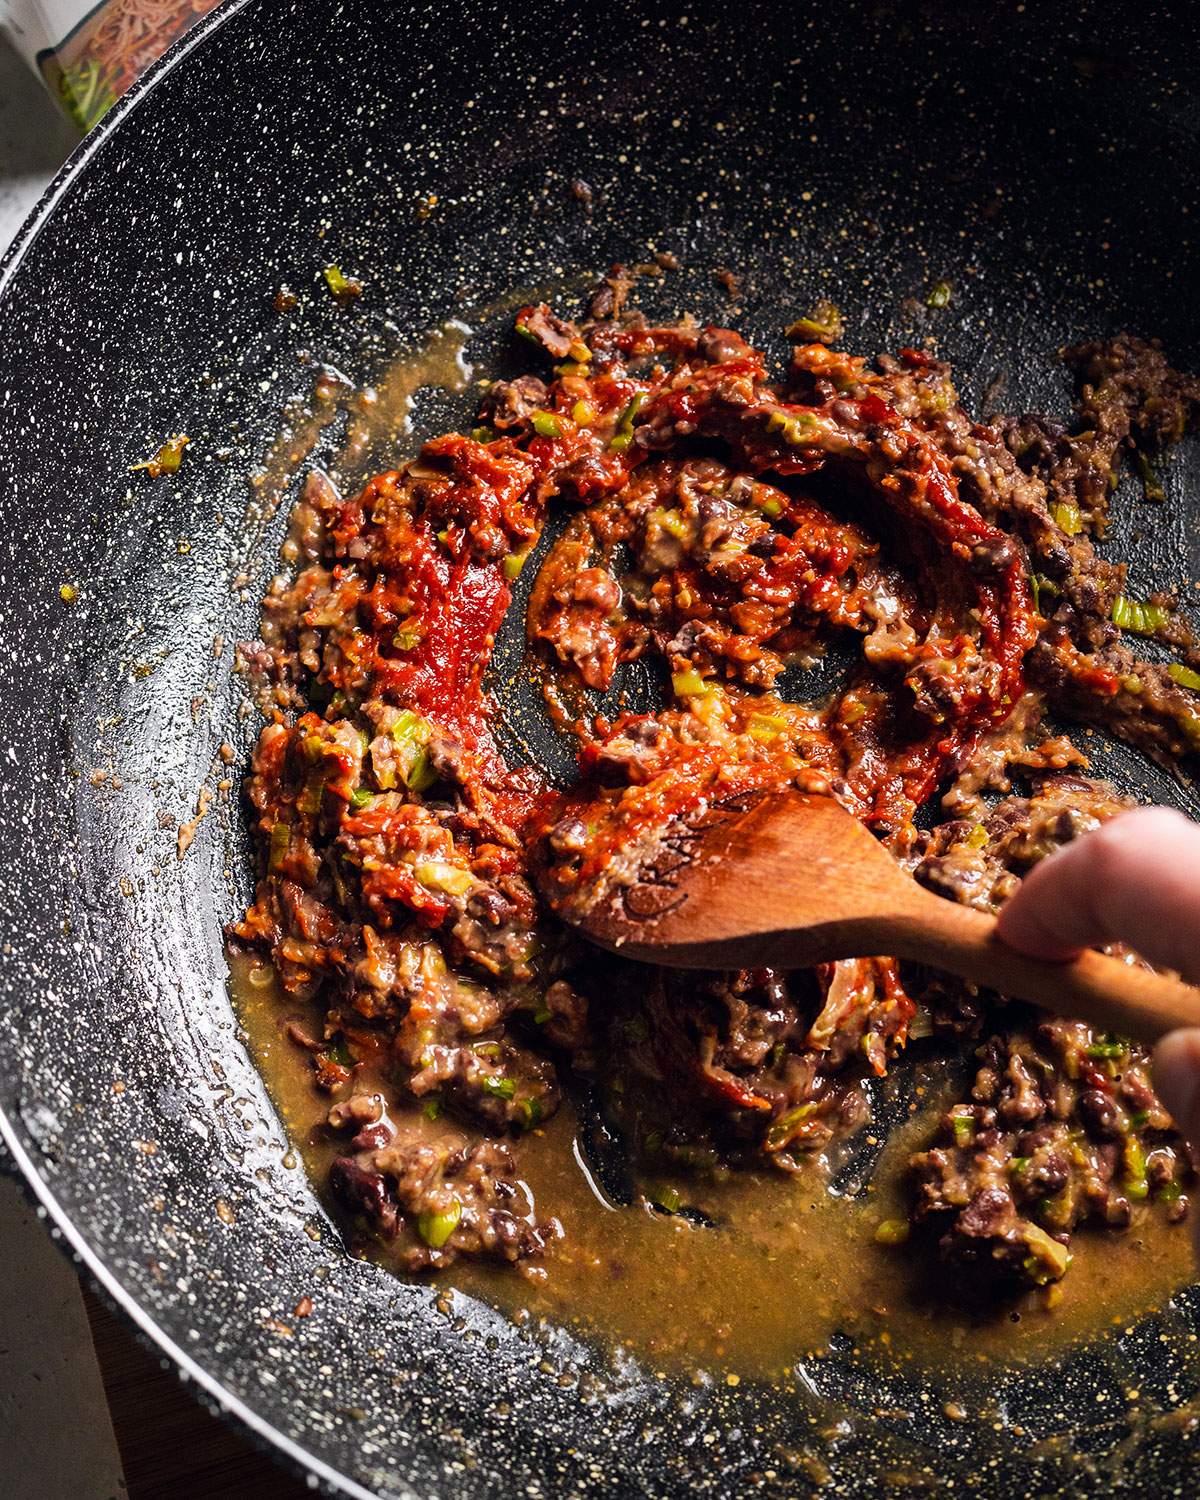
column 34, row 141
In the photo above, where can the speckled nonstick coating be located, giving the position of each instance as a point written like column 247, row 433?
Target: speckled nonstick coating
column 1041, row 158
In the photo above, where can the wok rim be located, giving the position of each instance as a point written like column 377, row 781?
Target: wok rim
column 228, row 1407
column 267, row 1434
column 207, row 1389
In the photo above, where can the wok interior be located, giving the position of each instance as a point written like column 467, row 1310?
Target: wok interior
column 864, row 157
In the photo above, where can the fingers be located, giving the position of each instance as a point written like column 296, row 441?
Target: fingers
column 1177, row 1080
column 1135, row 879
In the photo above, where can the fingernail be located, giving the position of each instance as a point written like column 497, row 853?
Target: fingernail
column 1177, row 1076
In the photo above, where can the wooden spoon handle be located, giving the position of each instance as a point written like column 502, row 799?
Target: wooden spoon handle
column 1121, row 997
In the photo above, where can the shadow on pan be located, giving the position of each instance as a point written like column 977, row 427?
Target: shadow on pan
column 1039, row 159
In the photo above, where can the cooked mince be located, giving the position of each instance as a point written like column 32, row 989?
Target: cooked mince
column 722, row 525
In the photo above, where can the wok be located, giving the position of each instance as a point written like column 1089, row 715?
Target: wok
column 1041, row 159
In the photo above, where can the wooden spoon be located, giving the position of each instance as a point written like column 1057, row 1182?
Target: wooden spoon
column 787, row 880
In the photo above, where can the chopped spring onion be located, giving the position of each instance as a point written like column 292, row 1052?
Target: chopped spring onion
column 411, row 726
column 499, row 1088
column 436, row 1226
column 823, row 325
column 167, row 459
column 513, row 564
column 583, row 413
column 771, row 507
column 964, row 1129
column 1151, row 484
column 530, row 1112
column 342, row 287
column 420, row 775
column 1138, row 1118
column 977, row 837
column 542, row 1014
column 1048, row 1260
column 436, row 875
column 1184, row 676
column 411, row 733
column 546, row 424
column 671, row 522
column 797, row 428
column 310, row 799
column 623, row 436
column 1018, row 1163
column 938, row 295
column 1066, row 516
column 892, row 1232
column 407, row 639
column 1101, row 1050
column 1142, row 619
column 433, row 1109
column 1135, row 1169
column 281, row 838
column 781, row 1131
column 690, row 684
column 667, row 1198
column 483, row 434
column 1041, row 586
column 341, row 1054
column 766, row 726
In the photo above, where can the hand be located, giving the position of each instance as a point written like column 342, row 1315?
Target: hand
column 1136, row 879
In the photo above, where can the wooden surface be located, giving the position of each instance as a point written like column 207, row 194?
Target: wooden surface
column 171, row 1449
column 55, row 1436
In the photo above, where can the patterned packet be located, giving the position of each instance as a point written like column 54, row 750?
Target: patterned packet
column 89, row 54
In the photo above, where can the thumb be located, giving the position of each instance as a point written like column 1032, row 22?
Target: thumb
column 1135, row 879
column 1177, row 1080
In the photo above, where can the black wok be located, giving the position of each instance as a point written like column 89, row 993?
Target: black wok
column 1040, row 158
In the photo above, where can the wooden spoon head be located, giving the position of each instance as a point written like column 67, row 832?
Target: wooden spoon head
column 778, row 878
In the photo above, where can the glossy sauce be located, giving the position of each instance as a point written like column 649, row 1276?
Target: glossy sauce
column 787, row 1265
column 786, row 1268
column 377, row 417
